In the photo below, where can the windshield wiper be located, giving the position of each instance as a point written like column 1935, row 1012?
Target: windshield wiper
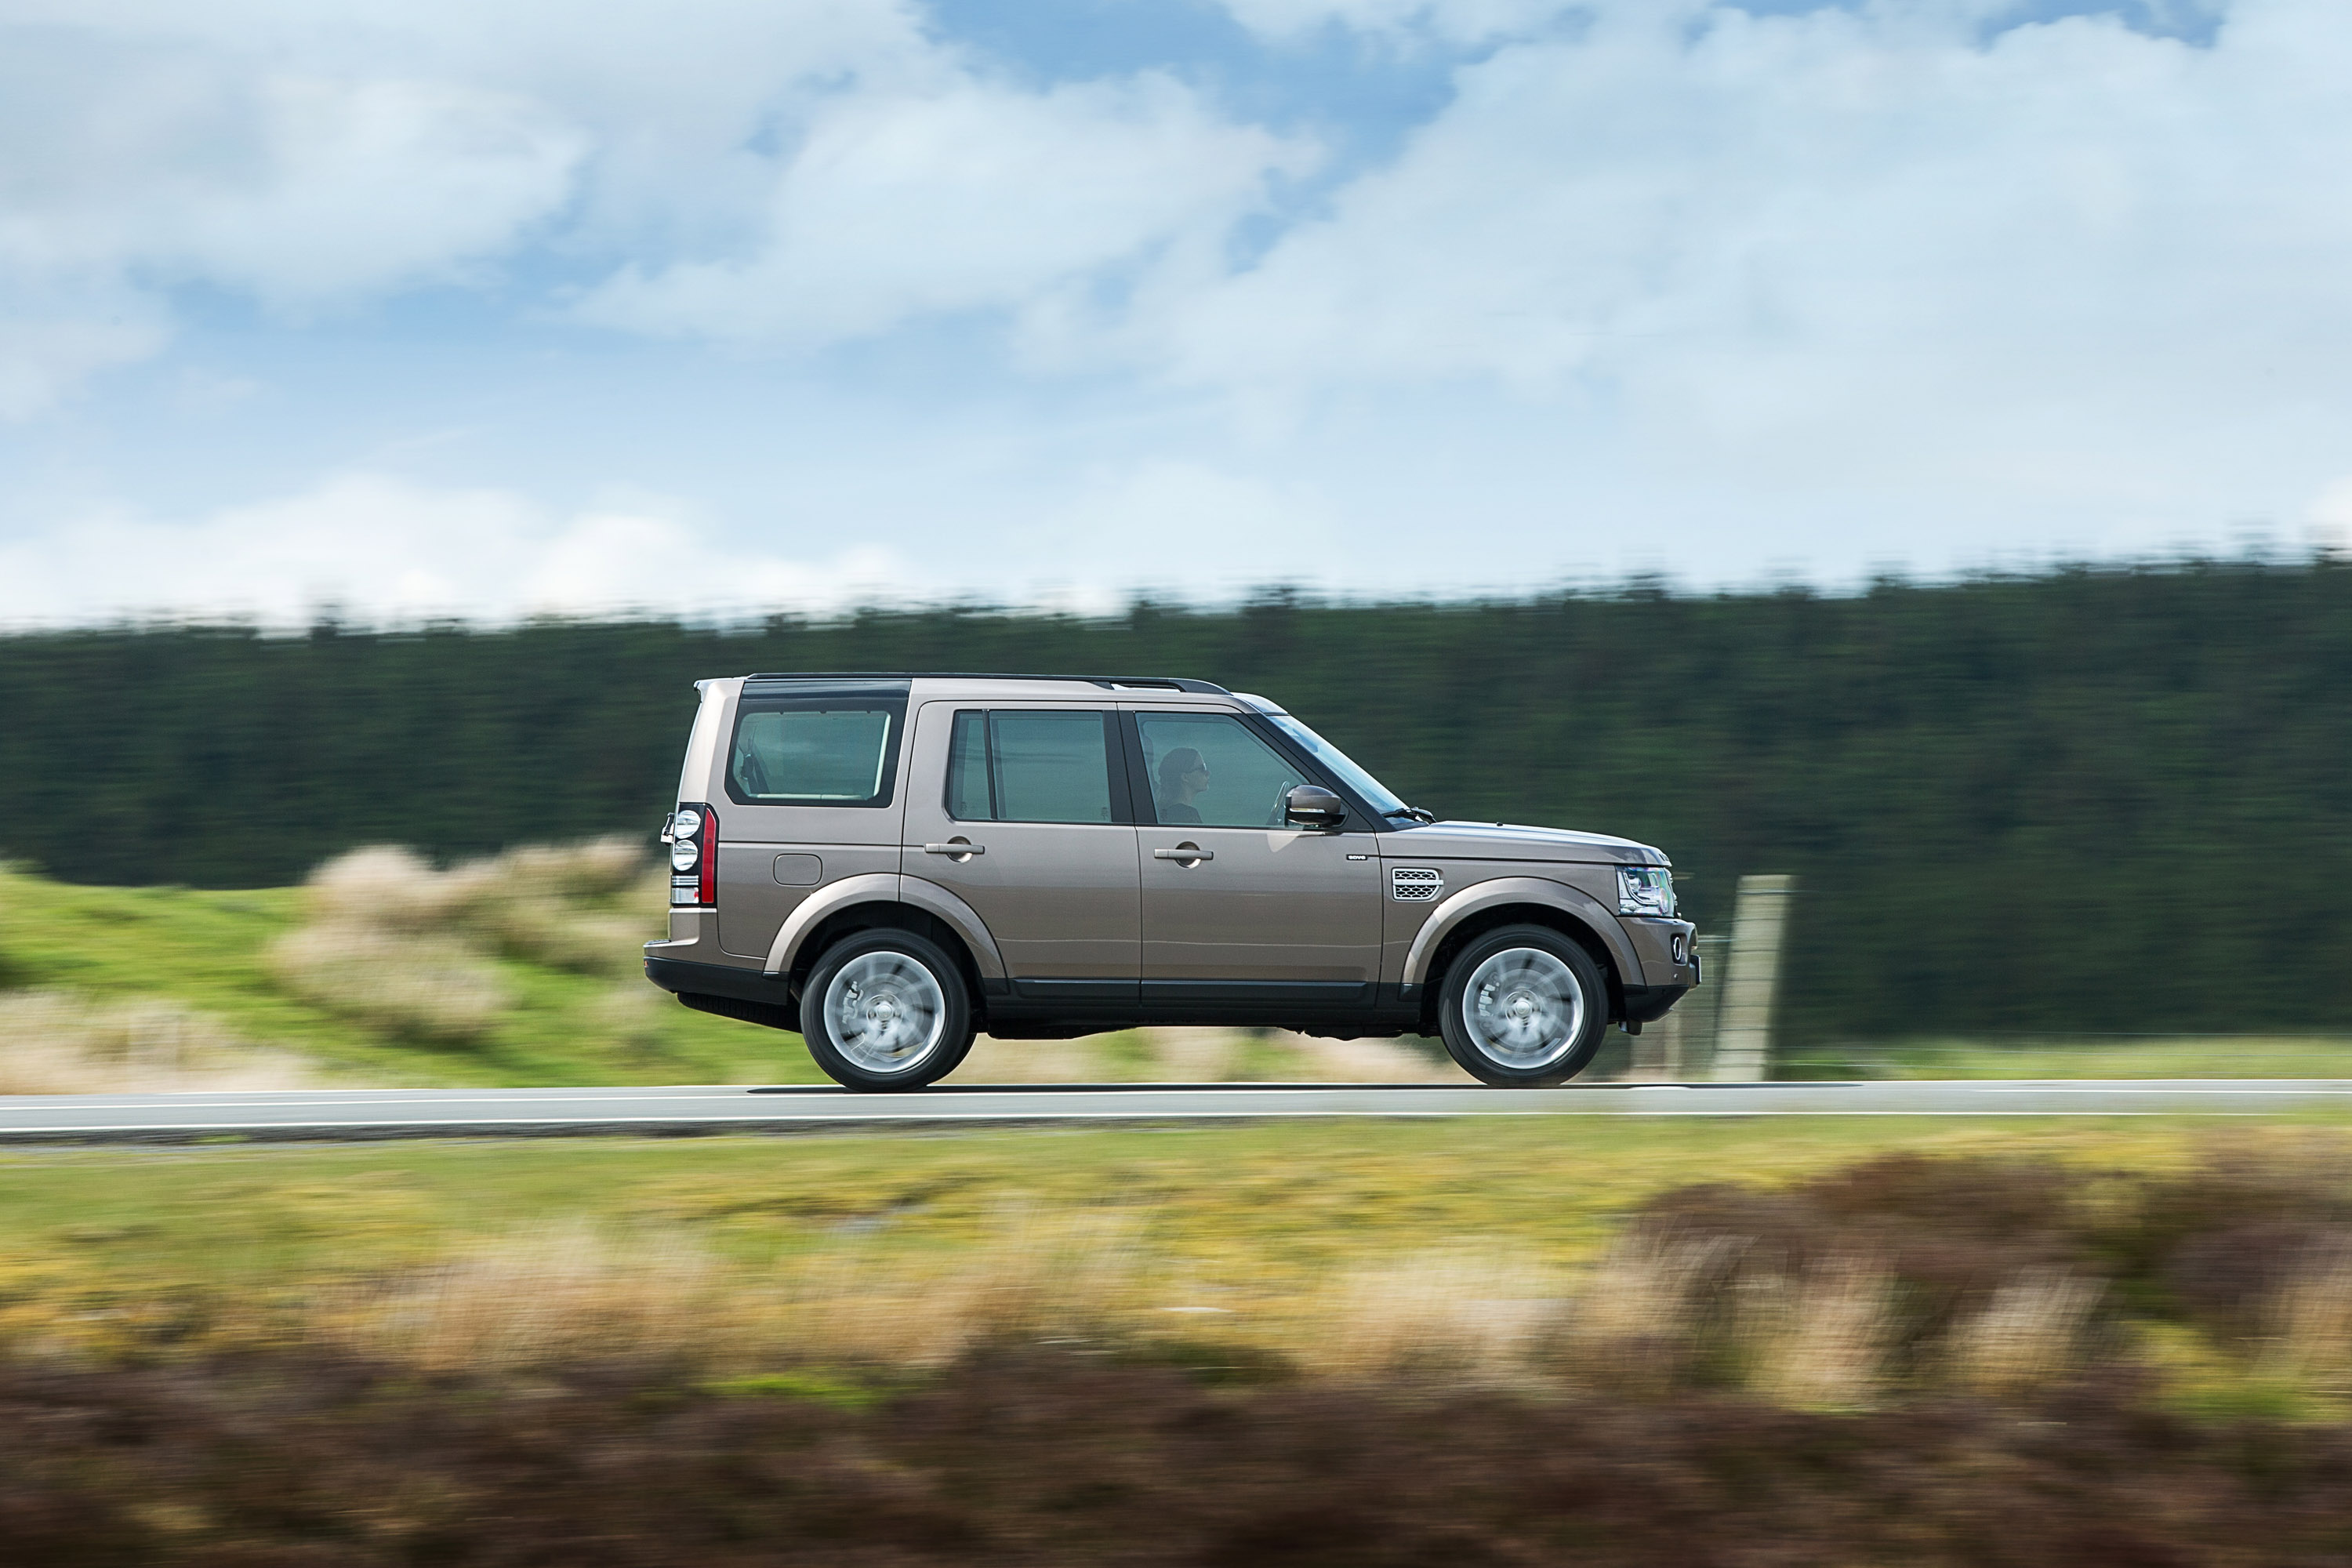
column 1414, row 813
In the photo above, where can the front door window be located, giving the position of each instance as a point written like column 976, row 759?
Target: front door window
column 1207, row 769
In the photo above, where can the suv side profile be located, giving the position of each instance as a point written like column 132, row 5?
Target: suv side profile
column 891, row 863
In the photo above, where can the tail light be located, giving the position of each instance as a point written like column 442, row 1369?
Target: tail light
column 692, row 834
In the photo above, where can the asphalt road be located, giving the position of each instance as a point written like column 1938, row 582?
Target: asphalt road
column 527, row 1113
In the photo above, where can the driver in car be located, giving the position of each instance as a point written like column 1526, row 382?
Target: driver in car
column 1183, row 779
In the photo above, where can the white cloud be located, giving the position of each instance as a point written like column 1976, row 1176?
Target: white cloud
column 968, row 196
column 1861, row 249
column 296, row 187
column 1453, row 21
column 2330, row 517
column 1661, row 280
column 382, row 549
column 741, row 169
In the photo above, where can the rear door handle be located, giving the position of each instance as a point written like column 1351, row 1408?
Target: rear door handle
column 1185, row 852
column 955, row 849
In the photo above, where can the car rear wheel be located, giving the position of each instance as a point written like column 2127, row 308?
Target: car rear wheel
column 886, row 1010
column 1522, row 1007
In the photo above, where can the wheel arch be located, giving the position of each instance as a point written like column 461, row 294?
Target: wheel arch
column 881, row 899
column 1520, row 901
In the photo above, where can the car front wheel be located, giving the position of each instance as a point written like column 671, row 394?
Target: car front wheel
column 886, row 1010
column 1522, row 1007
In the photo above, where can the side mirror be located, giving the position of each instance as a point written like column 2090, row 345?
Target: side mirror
column 1312, row 805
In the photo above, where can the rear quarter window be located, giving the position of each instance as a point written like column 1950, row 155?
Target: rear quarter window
column 814, row 753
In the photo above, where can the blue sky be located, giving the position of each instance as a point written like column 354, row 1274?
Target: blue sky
column 716, row 308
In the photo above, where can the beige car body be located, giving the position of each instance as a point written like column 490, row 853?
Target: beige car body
column 1071, row 928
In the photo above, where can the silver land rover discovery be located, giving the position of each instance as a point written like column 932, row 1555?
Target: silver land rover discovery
column 891, row 863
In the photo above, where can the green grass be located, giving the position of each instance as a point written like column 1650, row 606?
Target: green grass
column 1262, row 1246
column 1273, row 1201
column 205, row 950
column 2043, row 1056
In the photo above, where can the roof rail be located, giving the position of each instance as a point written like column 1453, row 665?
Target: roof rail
column 1172, row 682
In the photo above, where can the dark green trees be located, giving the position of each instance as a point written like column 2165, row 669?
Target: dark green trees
column 2084, row 800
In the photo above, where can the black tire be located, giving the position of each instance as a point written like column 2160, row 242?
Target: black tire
column 1558, row 1013
column 902, row 1019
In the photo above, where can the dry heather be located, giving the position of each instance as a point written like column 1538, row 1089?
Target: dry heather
column 2310, row 1322
column 543, row 1296
column 1640, row 1322
column 544, row 903
column 1831, row 1294
column 1197, row 1056
column 1467, row 1313
column 427, row 987
column 1367, row 1061
column 1817, row 1339
column 1202, row 1055
column 2029, row 1334
column 394, row 944
column 537, row 1296
column 1029, row 1061
column 1653, row 1316
column 629, row 1013
column 53, row 1043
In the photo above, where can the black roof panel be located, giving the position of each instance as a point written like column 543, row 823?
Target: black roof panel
column 1172, row 682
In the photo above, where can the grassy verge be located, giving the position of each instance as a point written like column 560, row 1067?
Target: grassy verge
column 1913, row 1341
column 2123, row 1339
column 210, row 952
column 2059, row 1056
column 1343, row 1248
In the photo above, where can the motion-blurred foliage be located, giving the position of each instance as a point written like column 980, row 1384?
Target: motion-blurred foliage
column 518, row 968
column 2083, row 800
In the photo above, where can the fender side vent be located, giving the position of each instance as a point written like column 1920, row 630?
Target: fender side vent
column 1415, row 884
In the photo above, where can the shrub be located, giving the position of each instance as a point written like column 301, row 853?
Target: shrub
column 55, row 1043
column 396, row 944
column 422, row 987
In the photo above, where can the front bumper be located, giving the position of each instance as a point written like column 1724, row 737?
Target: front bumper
column 1668, row 950
column 1648, row 1003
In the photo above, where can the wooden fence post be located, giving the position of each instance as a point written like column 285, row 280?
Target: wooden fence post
column 1744, row 1039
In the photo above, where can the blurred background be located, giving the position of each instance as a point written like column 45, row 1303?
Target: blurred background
column 1895, row 456
column 2099, row 808
column 1898, row 446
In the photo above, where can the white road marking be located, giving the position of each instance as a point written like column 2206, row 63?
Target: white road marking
column 681, row 1108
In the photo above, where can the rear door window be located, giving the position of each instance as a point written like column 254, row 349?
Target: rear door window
column 1030, row 766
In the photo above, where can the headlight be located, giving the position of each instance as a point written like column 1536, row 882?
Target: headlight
column 684, row 853
column 1645, row 890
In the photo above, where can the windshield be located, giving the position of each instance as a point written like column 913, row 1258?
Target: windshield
column 1376, row 794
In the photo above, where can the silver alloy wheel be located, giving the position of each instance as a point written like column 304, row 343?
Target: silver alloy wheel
column 1523, row 1008
column 886, row 1011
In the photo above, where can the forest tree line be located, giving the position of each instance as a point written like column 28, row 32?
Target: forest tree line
column 2081, row 800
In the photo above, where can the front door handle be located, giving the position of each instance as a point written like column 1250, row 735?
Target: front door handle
column 1185, row 852
column 958, row 848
